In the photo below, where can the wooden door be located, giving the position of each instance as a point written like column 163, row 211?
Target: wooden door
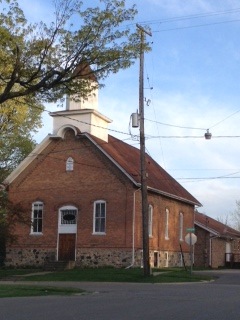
column 66, row 247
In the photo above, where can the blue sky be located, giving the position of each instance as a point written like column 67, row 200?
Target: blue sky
column 194, row 70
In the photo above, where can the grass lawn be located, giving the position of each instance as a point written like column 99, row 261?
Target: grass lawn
column 118, row 275
column 9, row 290
column 98, row 275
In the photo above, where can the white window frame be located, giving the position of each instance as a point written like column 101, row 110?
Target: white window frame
column 37, row 206
column 67, row 227
column 180, row 226
column 167, row 224
column 95, row 205
column 150, row 220
column 69, row 164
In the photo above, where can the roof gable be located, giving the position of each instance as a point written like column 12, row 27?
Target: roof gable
column 128, row 159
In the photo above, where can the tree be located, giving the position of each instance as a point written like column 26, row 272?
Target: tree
column 235, row 216
column 43, row 61
column 10, row 214
column 17, row 123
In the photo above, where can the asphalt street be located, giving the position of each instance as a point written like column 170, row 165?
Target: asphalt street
column 219, row 300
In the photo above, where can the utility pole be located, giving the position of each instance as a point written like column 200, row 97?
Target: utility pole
column 145, row 233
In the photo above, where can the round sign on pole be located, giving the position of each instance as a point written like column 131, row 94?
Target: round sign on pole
column 190, row 238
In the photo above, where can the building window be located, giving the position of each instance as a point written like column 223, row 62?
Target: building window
column 99, row 219
column 68, row 216
column 69, row 164
column 67, row 219
column 150, row 220
column 37, row 217
column 181, row 226
column 166, row 224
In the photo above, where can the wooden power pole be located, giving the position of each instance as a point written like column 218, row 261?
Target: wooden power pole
column 145, row 232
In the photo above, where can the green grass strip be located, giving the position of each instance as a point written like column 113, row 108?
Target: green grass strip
column 10, row 290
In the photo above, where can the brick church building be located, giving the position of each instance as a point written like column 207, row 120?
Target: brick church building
column 80, row 191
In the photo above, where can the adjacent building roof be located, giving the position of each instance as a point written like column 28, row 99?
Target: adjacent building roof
column 215, row 227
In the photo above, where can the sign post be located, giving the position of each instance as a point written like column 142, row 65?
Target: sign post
column 191, row 239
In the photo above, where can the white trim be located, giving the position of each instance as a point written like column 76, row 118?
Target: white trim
column 165, row 260
column 62, row 130
column 71, row 112
column 67, row 228
column 198, row 204
column 181, row 216
column 212, row 231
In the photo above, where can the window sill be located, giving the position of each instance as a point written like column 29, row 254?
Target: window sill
column 99, row 233
column 36, row 234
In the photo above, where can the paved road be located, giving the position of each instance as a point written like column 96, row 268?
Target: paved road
column 218, row 300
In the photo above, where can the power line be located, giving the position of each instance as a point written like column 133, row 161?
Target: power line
column 176, row 126
column 192, row 16
column 232, row 114
column 196, row 26
column 189, row 137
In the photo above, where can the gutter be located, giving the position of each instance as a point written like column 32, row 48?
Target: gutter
column 133, row 229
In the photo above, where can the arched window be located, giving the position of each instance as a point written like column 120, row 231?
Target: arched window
column 37, row 217
column 69, row 164
column 166, row 224
column 150, row 220
column 181, row 226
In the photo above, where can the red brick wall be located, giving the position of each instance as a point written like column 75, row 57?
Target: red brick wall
column 94, row 178
column 202, row 248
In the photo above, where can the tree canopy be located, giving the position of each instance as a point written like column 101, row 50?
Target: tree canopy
column 42, row 62
column 39, row 60
column 18, row 122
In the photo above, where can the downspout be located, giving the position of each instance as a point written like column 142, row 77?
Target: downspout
column 133, row 229
column 210, row 249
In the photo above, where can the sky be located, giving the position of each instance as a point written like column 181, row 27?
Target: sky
column 191, row 85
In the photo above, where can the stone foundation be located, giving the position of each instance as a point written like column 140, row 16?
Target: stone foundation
column 167, row 259
column 94, row 258
column 103, row 257
column 28, row 257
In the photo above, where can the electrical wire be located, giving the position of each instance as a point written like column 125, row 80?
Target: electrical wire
column 196, row 26
column 175, row 126
column 232, row 114
column 192, row 16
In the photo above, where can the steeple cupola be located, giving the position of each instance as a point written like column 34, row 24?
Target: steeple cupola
column 82, row 112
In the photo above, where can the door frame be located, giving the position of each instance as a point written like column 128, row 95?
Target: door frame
column 67, row 228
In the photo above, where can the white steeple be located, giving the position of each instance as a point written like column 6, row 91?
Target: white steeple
column 82, row 113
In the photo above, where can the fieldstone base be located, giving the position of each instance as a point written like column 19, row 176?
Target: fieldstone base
column 103, row 257
column 118, row 258
column 35, row 257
